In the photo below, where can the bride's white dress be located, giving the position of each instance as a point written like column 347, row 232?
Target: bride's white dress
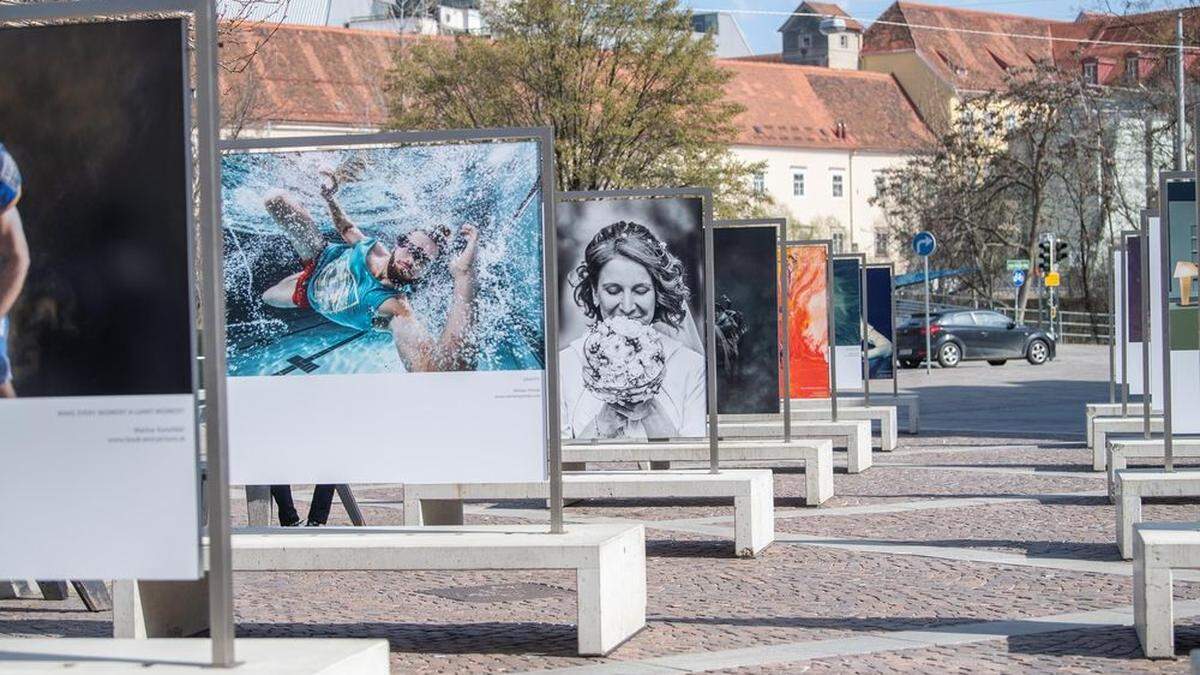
column 682, row 395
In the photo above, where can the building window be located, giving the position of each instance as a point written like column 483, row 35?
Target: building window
column 805, row 40
column 881, row 243
column 1131, row 67
column 839, row 184
column 1010, row 122
column 844, row 41
column 797, row 182
column 760, row 183
column 1090, row 73
column 839, row 241
column 880, row 183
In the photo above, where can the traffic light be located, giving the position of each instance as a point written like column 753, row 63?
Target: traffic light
column 1044, row 256
column 1060, row 251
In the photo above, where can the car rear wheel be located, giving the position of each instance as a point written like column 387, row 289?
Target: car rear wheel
column 997, row 362
column 1039, row 352
column 949, row 355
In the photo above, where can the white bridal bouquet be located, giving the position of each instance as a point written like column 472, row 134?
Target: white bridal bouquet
column 624, row 361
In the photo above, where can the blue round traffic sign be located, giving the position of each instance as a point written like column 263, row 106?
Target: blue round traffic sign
column 924, row 244
column 1018, row 278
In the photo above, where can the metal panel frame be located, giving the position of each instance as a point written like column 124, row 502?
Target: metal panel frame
column 1126, row 235
column 1112, row 332
column 1164, row 234
column 202, row 14
column 781, row 308
column 544, row 137
column 832, row 328
column 1147, row 324
column 891, row 268
column 1123, row 301
column 710, row 341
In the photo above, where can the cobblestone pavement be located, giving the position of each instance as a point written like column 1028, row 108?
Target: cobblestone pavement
column 960, row 551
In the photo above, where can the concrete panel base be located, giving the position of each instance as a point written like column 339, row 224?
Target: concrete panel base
column 1094, row 410
column 752, row 492
column 907, row 405
column 277, row 656
column 816, row 454
column 1158, row 549
column 159, row 609
column 1122, row 450
column 1133, row 485
column 854, row 434
column 883, row 416
column 609, row 560
column 1101, row 427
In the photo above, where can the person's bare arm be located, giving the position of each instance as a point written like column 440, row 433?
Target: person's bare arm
column 14, row 259
column 345, row 227
column 462, row 305
column 418, row 349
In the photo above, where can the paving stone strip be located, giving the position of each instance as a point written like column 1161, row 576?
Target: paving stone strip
column 876, row 642
column 1015, row 470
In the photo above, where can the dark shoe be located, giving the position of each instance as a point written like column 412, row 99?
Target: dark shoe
column 294, row 523
column 314, row 523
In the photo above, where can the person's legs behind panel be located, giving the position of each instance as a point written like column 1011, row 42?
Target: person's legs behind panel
column 282, row 494
column 322, row 501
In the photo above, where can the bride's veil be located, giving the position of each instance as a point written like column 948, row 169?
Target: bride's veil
column 687, row 334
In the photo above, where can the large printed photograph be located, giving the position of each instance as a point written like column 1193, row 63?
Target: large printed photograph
column 847, row 302
column 1133, row 286
column 94, row 199
column 880, row 323
column 808, row 344
column 632, row 360
column 388, row 259
column 1182, row 269
column 746, row 264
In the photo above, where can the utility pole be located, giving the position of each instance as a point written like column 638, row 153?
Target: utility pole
column 1181, row 114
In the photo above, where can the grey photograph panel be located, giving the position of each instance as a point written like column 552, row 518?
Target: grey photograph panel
column 747, row 319
column 632, row 357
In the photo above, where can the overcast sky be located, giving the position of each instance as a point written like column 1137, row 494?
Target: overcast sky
column 762, row 33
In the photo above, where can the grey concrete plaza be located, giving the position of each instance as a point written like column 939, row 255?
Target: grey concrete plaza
column 985, row 544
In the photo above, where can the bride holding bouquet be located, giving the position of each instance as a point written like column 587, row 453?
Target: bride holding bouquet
column 638, row 372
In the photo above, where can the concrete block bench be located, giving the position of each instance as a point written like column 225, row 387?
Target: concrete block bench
column 1158, row 550
column 855, row 436
column 1102, row 427
column 752, row 491
column 1134, row 485
column 885, row 416
column 910, row 402
column 609, row 560
column 1123, row 449
column 817, row 456
column 1094, row 410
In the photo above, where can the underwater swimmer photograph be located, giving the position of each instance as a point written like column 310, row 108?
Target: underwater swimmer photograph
column 401, row 259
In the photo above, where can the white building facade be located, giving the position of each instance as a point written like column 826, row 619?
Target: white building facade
column 826, row 194
column 824, row 137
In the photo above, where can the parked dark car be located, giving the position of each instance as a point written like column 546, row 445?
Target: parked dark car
column 971, row 335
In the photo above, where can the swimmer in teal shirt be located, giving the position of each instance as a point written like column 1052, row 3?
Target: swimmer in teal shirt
column 362, row 284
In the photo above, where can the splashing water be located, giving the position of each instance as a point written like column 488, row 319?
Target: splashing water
column 387, row 192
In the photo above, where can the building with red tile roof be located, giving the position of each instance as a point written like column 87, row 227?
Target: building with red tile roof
column 825, row 137
column 942, row 55
column 294, row 79
column 835, row 126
